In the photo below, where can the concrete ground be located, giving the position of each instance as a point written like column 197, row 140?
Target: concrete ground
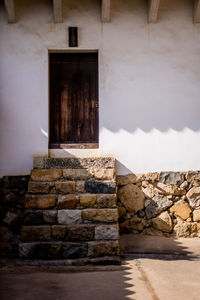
column 139, row 279
column 158, row 278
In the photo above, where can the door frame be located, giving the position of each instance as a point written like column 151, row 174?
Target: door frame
column 71, row 146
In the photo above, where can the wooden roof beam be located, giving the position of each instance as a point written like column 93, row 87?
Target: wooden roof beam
column 105, row 11
column 153, row 11
column 197, row 11
column 10, row 10
column 57, row 11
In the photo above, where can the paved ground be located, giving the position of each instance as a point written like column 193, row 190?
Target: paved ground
column 139, row 279
column 169, row 271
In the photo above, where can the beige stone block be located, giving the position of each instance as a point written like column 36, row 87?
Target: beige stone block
column 87, row 200
column 104, row 174
column 100, row 215
column 39, row 187
column 80, row 186
column 65, row 187
column 169, row 189
column 196, row 215
column 46, row 174
column 40, row 201
column 68, row 201
column 126, row 179
column 77, row 174
column 163, row 222
column 181, row 209
column 131, row 197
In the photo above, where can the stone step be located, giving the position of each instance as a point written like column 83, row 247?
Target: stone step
column 48, row 175
column 69, row 187
column 71, row 216
column 75, row 232
column 68, row 250
column 74, row 163
column 70, row 201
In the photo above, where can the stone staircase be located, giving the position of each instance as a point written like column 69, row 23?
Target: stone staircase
column 71, row 212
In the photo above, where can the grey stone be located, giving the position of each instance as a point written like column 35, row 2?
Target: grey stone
column 69, row 216
column 26, row 250
column 157, row 205
column 50, row 216
column 74, row 250
column 11, row 218
column 193, row 196
column 78, row 163
column 102, row 187
column 106, row 232
column 171, row 177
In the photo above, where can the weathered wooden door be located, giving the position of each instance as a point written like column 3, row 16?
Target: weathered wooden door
column 74, row 100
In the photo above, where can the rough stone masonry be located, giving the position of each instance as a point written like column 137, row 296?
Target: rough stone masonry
column 163, row 204
column 68, row 209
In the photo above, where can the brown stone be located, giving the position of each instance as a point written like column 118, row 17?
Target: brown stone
column 65, row 187
column 46, row 174
column 67, row 201
column 181, row 209
column 106, row 200
column 96, row 249
column 80, row 233
column 58, row 232
column 77, row 174
column 196, row 215
column 87, row 200
column 163, row 222
column 100, row 215
column 39, row 187
column 169, row 189
column 126, row 179
column 104, row 174
column 36, row 233
column 134, row 223
column 40, row 201
column 122, row 211
column 131, row 197
column 50, row 216
column 193, row 196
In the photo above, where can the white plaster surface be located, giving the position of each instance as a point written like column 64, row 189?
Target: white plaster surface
column 149, row 82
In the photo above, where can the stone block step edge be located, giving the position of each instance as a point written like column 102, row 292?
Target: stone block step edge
column 75, row 232
column 100, row 261
column 68, row 250
column 73, row 174
column 73, row 163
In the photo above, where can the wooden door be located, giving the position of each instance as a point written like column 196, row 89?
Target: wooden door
column 74, row 100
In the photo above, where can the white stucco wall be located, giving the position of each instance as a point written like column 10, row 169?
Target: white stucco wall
column 149, row 82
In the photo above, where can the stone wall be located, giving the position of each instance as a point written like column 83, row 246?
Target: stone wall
column 164, row 204
column 12, row 203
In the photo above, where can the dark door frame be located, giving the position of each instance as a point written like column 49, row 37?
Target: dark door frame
column 68, row 145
